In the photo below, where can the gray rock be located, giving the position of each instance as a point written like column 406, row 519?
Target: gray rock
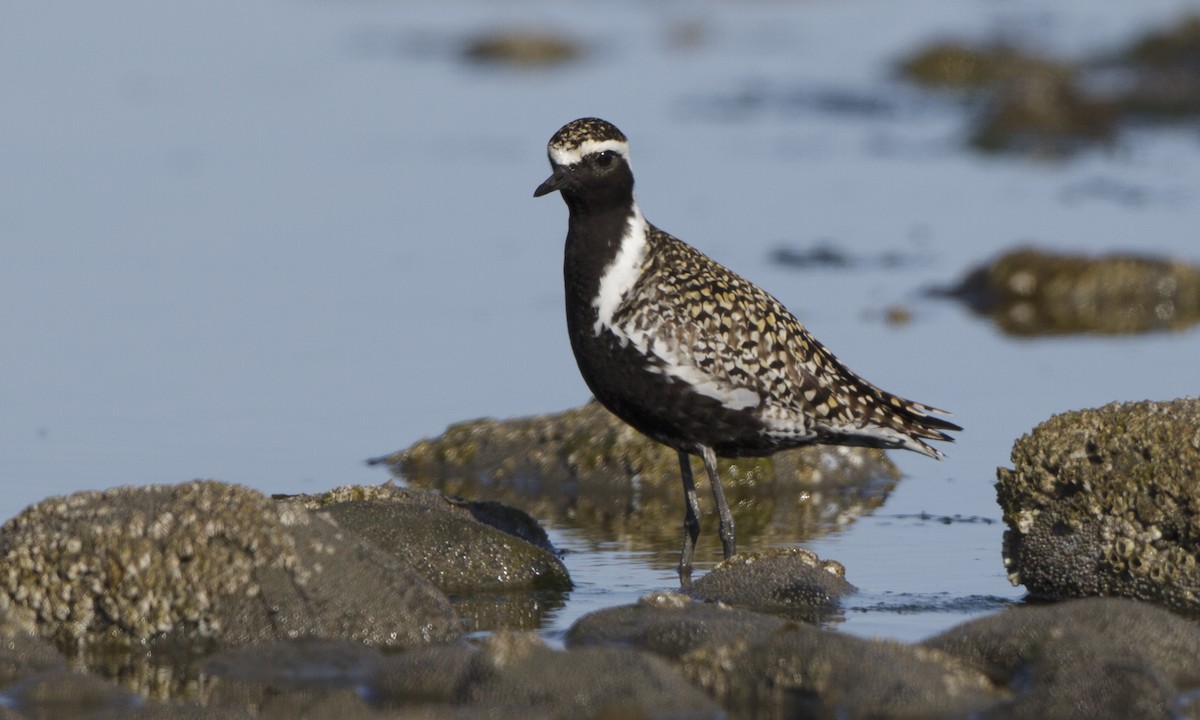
column 803, row 671
column 1106, row 502
column 764, row 666
column 791, row 582
column 457, row 554
column 587, row 468
column 1093, row 658
column 671, row 625
column 206, row 561
column 502, row 517
column 495, row 561
column 516, row 675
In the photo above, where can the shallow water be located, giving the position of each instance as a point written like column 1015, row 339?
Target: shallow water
column 264, row 242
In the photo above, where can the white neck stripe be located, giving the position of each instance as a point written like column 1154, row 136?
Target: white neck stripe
column 620, row 276
column 570, row 156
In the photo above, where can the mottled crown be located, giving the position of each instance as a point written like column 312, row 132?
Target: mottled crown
column 583, row 137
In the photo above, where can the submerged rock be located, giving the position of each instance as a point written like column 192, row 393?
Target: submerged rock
column 515, row 675
column 791, row 582
column 587, row 468
column 1094, row 658
column 672, row 625
column 205, row 561
column 1106, row 502
column 1031, row 292
column 759, row 665
column 803, row 671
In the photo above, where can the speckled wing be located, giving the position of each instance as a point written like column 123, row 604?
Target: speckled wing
column 732, row 341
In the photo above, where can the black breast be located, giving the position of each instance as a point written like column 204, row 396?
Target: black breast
column 634, row 388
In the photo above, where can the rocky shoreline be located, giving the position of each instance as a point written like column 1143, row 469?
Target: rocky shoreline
column 211, row 600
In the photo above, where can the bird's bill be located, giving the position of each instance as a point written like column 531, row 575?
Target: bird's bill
column 556, row 181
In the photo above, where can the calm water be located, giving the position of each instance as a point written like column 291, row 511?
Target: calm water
column 263, row 242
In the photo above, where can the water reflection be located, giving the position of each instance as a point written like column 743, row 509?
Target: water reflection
column 585, row 469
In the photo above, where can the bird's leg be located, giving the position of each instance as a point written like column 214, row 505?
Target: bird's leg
column 691, row 520
column 726, row 529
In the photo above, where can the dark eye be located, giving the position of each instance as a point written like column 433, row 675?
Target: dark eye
column 605, row 158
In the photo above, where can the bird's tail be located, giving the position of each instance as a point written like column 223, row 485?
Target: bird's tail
column 914, row 423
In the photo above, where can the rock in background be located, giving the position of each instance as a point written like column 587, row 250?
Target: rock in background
column 1029, row 292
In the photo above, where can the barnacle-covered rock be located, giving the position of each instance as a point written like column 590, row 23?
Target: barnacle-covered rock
column 791, row 582
column 206, row 561
column 1107, row 502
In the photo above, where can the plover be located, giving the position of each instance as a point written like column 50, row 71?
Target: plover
column 688, row 352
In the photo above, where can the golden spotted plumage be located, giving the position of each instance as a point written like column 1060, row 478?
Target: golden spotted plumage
column 742, row 337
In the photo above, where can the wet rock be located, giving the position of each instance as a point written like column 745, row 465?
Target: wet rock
column 802, row 671
column 502, row 517
column 527, row 48
column 205, row 561
column 587, row 468
column 1105, row 502
column 1093, row 658
column 1165, row 77
column 494, row 561
column 671, row 625
column 450, row 548
column 760, row 665
column 516, row 675
column 791, row 582
column 1031, row 292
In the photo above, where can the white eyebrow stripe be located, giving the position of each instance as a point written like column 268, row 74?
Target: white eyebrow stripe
column 570, row 156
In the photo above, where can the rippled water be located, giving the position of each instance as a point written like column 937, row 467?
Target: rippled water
column 264, row 242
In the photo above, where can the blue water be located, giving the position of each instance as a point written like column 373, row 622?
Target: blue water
column 263, row 242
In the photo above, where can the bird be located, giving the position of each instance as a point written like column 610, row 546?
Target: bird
column 689, row 353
